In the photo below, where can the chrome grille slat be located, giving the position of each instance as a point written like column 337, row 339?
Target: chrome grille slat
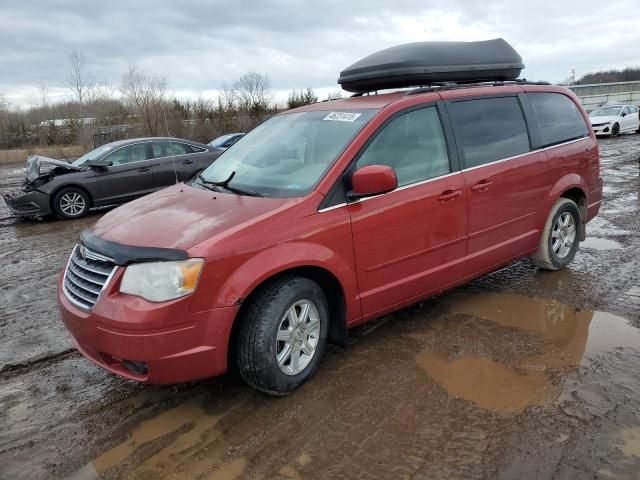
column 75, row 299
column 80, row 282
column 83, row 264
column 86, row 276
column 72, row 287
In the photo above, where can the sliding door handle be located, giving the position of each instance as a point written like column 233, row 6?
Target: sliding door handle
column 481, row 186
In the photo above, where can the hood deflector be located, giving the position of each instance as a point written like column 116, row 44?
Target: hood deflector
column 125, row 254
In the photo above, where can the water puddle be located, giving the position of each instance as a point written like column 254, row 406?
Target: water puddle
column 166, row 443
column 291, row 471
column 629, row 442
column 487, row 383
column 567, row 337
column 596, row 243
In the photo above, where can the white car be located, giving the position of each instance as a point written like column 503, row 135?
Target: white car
column 615, row 119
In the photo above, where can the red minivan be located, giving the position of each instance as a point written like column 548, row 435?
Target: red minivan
column 325, row 217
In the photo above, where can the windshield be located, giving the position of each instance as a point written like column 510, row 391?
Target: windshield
column 92, row 155
column 605, row 112
column 220, row 140
column 288, row 154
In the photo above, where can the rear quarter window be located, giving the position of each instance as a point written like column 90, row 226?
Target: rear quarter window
column 489, row 129
column 557, row 117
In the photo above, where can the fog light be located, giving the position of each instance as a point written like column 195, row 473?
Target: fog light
column 139, row 368
column 606, row 129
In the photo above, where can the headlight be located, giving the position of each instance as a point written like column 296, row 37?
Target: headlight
column 162, row 281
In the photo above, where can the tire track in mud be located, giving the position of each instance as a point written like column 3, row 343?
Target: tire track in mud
column 9, row 370
column 33, row 253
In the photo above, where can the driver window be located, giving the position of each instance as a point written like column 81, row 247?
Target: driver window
column 128, row 154
column 413, row 144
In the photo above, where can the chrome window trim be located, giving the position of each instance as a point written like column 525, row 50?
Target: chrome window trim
column 404, row 187
column 151, row 142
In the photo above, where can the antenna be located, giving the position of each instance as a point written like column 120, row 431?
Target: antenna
column 173, row 157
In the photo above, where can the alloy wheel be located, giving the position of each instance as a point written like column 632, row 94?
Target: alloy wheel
column 563, row 235
column 72, row 204
column 298, row 336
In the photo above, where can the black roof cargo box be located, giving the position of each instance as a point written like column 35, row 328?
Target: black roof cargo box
column 422, row 63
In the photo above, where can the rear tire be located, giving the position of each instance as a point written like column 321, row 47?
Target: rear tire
column 71, row 203
column 282, row 335
column 560, row 237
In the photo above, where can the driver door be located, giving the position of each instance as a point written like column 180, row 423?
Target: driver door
column 628, row 120
column 409, row 242
column 130, row 175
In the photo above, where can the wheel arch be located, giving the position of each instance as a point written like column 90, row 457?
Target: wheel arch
column 573, row 187
column 55, row 192
column 332, row 289
column 578, row 195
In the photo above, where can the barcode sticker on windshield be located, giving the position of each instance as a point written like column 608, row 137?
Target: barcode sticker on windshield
column 342, row 116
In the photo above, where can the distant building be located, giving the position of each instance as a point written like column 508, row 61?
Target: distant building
column 597, row 94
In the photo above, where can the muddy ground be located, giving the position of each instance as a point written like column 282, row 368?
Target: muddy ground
column 520, row 374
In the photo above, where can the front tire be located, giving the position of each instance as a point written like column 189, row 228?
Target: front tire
column 282, row 336
column 71, row 203
column 615, row 130
column 560, row 237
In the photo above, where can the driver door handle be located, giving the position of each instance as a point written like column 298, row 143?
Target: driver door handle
column 449, row 195
column 144, row 169
column 188, row 161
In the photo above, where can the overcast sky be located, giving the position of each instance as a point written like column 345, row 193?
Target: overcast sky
column 199, row 45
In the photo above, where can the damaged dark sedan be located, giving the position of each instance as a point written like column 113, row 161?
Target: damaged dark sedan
column 112, row 174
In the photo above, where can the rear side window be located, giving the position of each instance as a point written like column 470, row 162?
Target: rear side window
column 557, row 117
column 489, row 129
column 168, row 149
column 194, row 149
column 129, row 154
column 412, row 144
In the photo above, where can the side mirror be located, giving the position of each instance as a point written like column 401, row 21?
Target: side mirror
column 99, row 163
column 372, row 180
column 624, row 114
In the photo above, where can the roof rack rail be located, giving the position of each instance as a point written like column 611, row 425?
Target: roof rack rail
column 439, row 86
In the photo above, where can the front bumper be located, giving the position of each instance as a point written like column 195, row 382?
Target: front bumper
column 28, row 204
column 175, row 345
column 602, row 129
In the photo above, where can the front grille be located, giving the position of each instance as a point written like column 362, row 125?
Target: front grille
column 87, row 274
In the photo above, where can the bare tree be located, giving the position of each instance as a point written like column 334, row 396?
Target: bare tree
column 334, row 95
column 227, row 98
column 43, row 92
column 303, row 97
column 253, row 93
column 145, row 94
column 4, row 104
column 101, row 91
column 78, row 81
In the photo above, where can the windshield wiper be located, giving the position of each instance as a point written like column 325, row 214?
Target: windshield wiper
column 225, row 184
column 242, row 191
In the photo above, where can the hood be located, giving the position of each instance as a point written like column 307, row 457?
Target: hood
column 34, row 162
column 182, row 216
column 602, row 119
